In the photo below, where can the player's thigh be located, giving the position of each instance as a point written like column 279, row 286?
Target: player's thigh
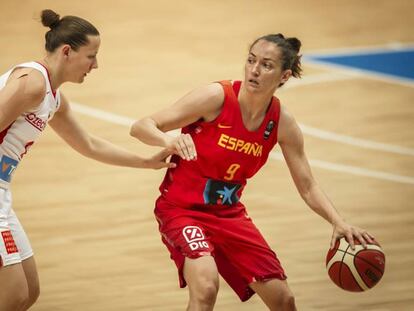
column 32, row 278
column 14, row 284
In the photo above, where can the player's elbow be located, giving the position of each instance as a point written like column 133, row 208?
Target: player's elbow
column 305, row 187
column 139, row 127
column 136, row 128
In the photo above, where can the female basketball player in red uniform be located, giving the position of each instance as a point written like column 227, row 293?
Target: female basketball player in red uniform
column 29, row 98
column 229, row 128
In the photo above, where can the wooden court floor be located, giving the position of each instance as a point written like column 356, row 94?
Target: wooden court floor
column 91, row 226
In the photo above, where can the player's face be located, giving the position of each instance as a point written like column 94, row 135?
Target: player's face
column 82, row 61
column 263, row 69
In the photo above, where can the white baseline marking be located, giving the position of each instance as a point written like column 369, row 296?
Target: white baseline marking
column 120, row 120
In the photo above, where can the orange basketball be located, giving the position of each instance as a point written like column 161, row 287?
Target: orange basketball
column 355, row 270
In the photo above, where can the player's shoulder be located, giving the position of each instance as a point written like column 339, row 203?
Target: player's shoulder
column 214, row 91
column 288, row 127
column 208, row 96
column 30, row 81
column 286, row 118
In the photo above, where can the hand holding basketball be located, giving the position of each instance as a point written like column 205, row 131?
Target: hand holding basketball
column 355, row 270
column 351, row 234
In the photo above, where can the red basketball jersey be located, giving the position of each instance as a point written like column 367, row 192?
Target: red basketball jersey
column 227, row 155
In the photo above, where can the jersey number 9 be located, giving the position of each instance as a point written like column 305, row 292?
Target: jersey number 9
column 231, row 171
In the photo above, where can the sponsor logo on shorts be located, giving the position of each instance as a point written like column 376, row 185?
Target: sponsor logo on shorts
column 7, row 167
column 9, row 242
column 194, row 237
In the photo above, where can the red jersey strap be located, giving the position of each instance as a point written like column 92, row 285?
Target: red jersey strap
column 236, row 87
column 231, row 103
column 228, row 90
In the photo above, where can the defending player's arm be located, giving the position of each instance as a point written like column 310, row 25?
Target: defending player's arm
column 291, row 142
column 24, row 91
column 203, row 103
column 66, row 126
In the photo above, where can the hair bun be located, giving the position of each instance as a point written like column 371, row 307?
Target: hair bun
column 294, row 43
column 50, row 18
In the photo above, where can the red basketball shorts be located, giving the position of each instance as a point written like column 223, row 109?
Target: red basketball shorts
column 227, row 233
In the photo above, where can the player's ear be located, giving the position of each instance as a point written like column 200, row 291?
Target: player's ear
column 286, row 75
column 66, row 49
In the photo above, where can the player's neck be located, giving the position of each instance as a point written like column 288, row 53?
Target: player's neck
column 254, row 104
column 52, row 66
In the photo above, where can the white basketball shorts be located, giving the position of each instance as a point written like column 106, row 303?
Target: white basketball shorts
column 14, row 244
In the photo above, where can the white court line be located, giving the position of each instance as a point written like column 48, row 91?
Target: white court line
column 318, row 78
column 363, row 143
column 359, row 72
column 116, row 119
column 311, row 131
column 102, row 115
column 354, row 170
column 391, row 47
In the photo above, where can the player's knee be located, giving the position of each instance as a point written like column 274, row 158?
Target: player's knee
column 206, row 292
column 286, row 303
column 34, row 293
column 18, row 297
column 289, row 303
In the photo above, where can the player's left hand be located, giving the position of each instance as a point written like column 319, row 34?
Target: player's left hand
column 160, row 160
column 343, row 229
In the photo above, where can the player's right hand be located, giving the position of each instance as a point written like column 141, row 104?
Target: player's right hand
column 160, row 160
column 184, row 146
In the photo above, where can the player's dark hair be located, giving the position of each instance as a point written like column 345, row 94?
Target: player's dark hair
column 290, row 48
column 70, row 30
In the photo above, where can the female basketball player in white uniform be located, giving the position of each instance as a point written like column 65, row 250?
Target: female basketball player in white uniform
column 29, row 100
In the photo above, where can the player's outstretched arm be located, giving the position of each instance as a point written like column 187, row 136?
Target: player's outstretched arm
column 204, row 103
column 66, row 126
column 291, row 142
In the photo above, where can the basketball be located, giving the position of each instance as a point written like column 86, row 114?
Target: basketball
column 355, row 270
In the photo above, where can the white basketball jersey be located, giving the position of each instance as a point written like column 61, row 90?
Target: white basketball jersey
column 17, row 138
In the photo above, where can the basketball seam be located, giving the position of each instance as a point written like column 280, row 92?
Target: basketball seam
column 363, row 259
column 340, row 269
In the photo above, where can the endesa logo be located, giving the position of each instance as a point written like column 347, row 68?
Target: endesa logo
column 194, row 237
column 7, row 165
column 34, row 120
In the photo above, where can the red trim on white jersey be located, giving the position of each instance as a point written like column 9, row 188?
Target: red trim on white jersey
column 4, row 132
column 48, row 76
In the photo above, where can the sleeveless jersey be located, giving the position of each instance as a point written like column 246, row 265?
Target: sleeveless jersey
column 23, row 132
column 227, row 155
